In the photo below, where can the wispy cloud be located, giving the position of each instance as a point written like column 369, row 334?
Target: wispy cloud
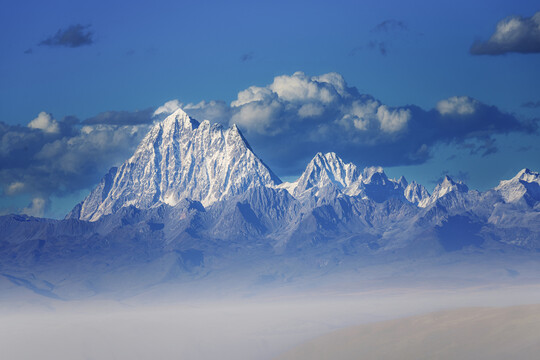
column 246, row 57
column 137, row 117
column 514, row 34
column 73, row 36
column 382, row 35
column 379, row 46
column 390, row 25
column 531, row 104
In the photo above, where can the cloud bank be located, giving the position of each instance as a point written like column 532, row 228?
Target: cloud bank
column 73, row 36
column 59, row 157
column 298, row 115
column 514, row 34
column 286, row 123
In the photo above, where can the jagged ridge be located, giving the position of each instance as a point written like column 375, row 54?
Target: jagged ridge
column 179, row 158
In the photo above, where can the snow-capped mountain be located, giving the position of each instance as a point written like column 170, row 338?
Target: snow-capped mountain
column 194, row 200
column 525, row 185
column 179, row 158
column 323, row 171
column 448, row 188
column 416, row 193
column 328, row 173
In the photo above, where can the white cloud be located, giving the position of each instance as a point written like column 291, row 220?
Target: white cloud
column 513, row 34
column 458, row 105
column 14, row 188
column 262, row 118
column 286, row 122
column 393, row 120
column 297, row 115
column 362, row 114
column 168, row 108
column 310, row 110
column 300, row 87
column 253, row 94
column 37, row 207
column 45, row 122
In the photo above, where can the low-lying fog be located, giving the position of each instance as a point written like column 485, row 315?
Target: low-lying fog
column 260, row 327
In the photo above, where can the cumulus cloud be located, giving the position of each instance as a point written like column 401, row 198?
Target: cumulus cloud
column 73, row 36
column 458, row 105
column 40, row 162
column 168, row 108
column 297, row 115
column 216, row 111
column 45, row 122
column 286, row 122
column 513, row 34
column 393, row 120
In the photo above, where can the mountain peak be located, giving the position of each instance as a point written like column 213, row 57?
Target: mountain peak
column 448, row 184
column 326, row 170
column 181, row 158
column 180, row 117
column 525, row 181
column 403, row 181
column 445, row 187
column 447, row 181
column 527, row 175
column 416, row 193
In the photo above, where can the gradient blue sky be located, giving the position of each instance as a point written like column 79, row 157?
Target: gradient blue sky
column 143, row 54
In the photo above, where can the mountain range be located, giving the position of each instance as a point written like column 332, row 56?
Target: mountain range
column 194, row 204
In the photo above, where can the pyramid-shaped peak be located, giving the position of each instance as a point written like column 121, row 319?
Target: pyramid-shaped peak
column 448, row 181
column 327, row 170
column 178, row 159
column 403, row 181
column 180, row 117
column 448, row 185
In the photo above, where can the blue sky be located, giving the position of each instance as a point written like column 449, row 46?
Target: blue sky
column 135, row 55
